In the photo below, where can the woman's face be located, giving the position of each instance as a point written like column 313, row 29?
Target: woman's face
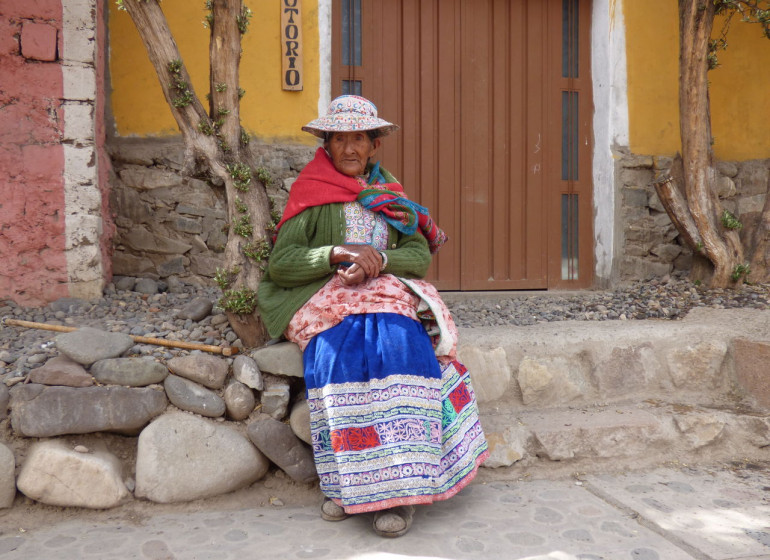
column 350, row 151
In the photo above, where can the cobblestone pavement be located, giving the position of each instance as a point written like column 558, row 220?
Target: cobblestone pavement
column 662, row 514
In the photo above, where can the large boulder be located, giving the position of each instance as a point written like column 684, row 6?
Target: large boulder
column 56, row 475
column 299, row 420
column 181, row 457
column 88, row 345
column 246, row 371
column 40, row 411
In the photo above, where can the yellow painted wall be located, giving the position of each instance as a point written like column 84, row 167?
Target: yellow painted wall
column 739, row 87
column 267, row 112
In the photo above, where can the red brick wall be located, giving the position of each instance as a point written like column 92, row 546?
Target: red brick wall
column 32, row 220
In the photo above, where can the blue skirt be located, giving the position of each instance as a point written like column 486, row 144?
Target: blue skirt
column 390, row 425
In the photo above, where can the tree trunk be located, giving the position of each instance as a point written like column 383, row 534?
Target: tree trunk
column 722, row 247
column 213, row 144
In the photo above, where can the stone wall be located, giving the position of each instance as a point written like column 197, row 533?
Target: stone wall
column 652, row 246
column 170, row 226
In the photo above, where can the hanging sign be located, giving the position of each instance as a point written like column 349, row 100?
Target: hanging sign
column 291, row 44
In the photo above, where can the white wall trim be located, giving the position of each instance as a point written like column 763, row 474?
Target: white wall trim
column 324, row 55
column 82, row 197
column 610, row 125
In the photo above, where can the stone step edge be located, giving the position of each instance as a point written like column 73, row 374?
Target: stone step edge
column 622, row 433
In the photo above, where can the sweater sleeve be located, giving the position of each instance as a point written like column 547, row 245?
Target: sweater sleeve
column 409, row 257
column 294, row 260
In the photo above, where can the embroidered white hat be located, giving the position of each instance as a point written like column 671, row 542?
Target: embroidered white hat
column 347, row 113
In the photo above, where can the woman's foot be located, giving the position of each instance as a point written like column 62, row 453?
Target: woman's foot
column 330, row 511
column 393, row 522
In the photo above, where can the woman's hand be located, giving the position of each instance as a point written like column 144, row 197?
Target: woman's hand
column 351, row 275
column 366, row 257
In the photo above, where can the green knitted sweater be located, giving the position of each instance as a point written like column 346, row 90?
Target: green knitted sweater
column 299, row 264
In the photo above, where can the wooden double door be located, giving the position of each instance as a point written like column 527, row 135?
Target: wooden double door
column 494, row 102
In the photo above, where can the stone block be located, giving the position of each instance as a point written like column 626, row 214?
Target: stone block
column 697, row 366
column 131, row 372
column 79, row 83
column 284, row 358
column 246, row 371
column 634, row 197
column 725, row 187
column 640, row 178
column 634, row 161
column 727, row 168
column 190, row 396
column 87, row 345
column 79, row 46
column 275, row 398
column 5, row 398
column 624, row 370
column 61, row 371
column 700, row 429
column 564, row 435
column 78, row 121
column 56, row 475
column 181, row 457
column 489, row 370
column 144, row 178
column 239, row 400
column 187, row 225
column 299, row 420
column 507, row 445
column 751, row 365
column 172, row 266
column 126, row 264
column 38, row 41
column 749, row 204
column 205, row 266
column 551, row 381
column 205, row 369
column 667, row 252
column 752, row 177
column 141, row 239
column 40, row 411
column 277, row 441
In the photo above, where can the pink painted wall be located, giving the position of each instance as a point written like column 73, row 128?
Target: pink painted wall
column 33, row 267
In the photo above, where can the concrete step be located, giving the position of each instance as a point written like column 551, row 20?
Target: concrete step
column 587, row 395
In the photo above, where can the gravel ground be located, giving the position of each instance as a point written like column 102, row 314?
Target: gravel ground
column 136, row 313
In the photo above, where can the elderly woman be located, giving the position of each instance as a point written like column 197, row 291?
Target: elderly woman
column 393, row 415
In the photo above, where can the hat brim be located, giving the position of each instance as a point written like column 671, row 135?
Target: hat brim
column 320, row 126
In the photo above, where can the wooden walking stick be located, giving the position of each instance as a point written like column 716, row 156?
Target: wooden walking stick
column 224, row 350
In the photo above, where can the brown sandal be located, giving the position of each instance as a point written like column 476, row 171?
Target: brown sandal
column 331, row 511
column 393, row 522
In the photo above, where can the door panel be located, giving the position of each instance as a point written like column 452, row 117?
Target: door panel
column 477, row 89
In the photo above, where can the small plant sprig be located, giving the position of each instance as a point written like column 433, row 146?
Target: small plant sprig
column 258, row 251
column 264, row 176
column 240, row 206
column 241, row 174
column 245, row 138
column 208, row 20
column 223, row 277
column 730, row 221
column 740, row 270
column 244, row 19
column 242, row 226
column 205, row 128
column 220, row 87
column 185, row 96
column 240, row 302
